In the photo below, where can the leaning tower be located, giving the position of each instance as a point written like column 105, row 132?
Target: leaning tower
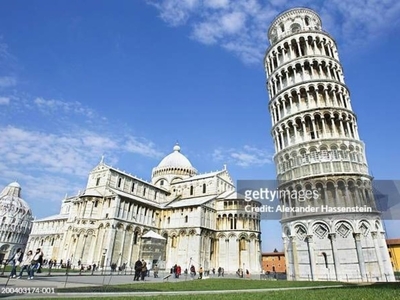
column 331, row 227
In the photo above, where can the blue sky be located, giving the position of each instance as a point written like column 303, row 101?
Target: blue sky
column 128, row 79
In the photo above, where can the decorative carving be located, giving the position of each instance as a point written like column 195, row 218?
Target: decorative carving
column 364, row 228
column 343, row 229
column 301, row 233
column 321, row 230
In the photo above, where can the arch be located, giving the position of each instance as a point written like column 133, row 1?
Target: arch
column 343, row 228
column 300, row 231
column 320, row 229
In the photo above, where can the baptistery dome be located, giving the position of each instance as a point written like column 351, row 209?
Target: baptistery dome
column 16, row 220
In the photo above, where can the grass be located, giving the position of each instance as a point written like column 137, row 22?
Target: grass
column 381, row 291
column 199, row 285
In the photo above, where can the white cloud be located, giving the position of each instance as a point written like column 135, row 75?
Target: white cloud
column 7, row 81
column 67, row 107
column 141, row 146
column 216, row 3
column 69, row 153
column 245, row 157
column 241, row 27
column 174, row 12
column 4, row 100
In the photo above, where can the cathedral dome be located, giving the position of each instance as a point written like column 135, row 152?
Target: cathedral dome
column 175, row 160
column 172, row 167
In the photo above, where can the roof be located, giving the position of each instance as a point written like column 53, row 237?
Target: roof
column 190, row 202
column 273, row 254
column 53, row 218
column 175, row 160
column 133, row 197
column 201, row 176
column 393, row 241
column 92, row 192
column 153, row 235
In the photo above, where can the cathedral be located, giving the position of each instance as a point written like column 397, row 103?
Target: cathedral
column 180, row 217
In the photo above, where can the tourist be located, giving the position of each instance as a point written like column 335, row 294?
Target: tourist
column 15, row 261
column 138, row 270
column 192, row 271
column 201, row 272
column 144, row 269
column 26, row 263
column 36, row 263
column 155, row 271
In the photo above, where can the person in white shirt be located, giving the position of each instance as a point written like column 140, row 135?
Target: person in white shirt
column 15, row 260
column 36, row 262
column 26, row 263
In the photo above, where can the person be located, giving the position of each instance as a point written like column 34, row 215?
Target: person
column 178, row 271
column 219, row 271
column 201, row 272
column 155, row 271
column 144, row 269
column 36, row 263
column 15, row 260
column 138, row 270
column 192, row 271
column 26, row 263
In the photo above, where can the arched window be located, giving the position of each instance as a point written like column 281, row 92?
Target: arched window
column 204, row 188
column 242, row 244
column 174, row 241
column 119, row 182
column 191, row 190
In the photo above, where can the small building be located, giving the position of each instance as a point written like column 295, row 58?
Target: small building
column 394, row 253
column 274, row 262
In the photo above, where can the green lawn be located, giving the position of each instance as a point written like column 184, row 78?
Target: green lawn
column 366, row 292
column 200, row 285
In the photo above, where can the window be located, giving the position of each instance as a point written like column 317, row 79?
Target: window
column 161, row 182
column 144, row 191
column 133, row 187
column 204, row 188
column 174, row 242
column 97, row 181
column 119, row 182
column 155, row 195
column 242, row 244
column 106, row 216
column 186, row 219
column 169, row 220
column 191, row 190
column 135, row 238
column 96, row 203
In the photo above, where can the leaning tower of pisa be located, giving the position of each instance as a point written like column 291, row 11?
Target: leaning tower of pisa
column 335, row 232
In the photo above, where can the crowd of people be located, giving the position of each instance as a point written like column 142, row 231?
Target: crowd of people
column 32, row 263
column 29, row 262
